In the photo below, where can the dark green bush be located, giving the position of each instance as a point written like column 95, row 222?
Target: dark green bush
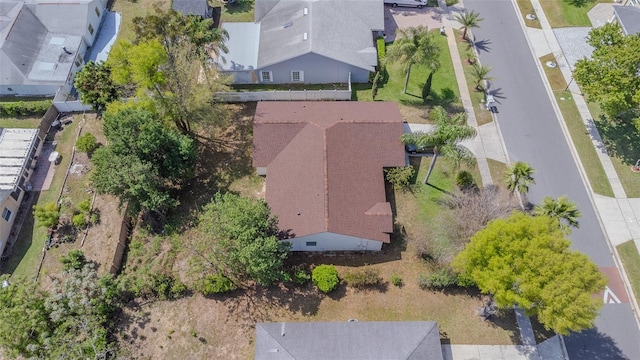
column 400, row 177
column 84, row 206
column 465, row 180
column 325, row 277
column 214, row 284
column 441, row 279
column 24, row 108
column 79, row 221
column 157, row 285
column 87, row 143
column 74, row 260
column 363, row 279
column 300, row 276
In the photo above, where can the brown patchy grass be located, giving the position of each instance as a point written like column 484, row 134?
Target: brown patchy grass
column 526, row 8
column 554, row 75
column 497, row 169
column 130, row 9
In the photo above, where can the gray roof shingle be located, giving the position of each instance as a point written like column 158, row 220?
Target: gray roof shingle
column 629, row 18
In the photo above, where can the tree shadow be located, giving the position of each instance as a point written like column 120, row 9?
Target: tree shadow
column 594, row 345
column 15, row 252
column 620, row 137
column 579, row 3
column 483, row 45
column 239, row 6
column 446, row 98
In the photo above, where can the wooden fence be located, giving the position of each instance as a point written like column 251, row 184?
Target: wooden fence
column 125, row 231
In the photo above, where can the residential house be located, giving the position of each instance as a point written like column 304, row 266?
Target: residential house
column 323, row 163
column 389, row 340
column 193, row 7
column 44, row 42
column 18, row 150
column 304, row 41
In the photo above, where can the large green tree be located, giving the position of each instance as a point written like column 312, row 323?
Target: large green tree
column 445, row 138
column 144, row 162
column 239, row 240
column 611, row 77
column 518, row 177
column 414, row 45
column 468, row 20
column 526, row 261
column 139, row 64
column 95, row 85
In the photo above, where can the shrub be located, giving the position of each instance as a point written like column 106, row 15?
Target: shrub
column 400, row 177
column 85, row 206
column 87, row 143
column 24, row 108
column 381, row 47
column 443, row 278
column 74, row 260
column 47, row 215
column 396, row 280
column 465, row 181
column 363, row 279
column 214, row 284
column 79, row 220
column 300, row 276
column 325, row 277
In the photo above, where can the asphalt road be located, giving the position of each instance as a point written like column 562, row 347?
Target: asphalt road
column 532, row 134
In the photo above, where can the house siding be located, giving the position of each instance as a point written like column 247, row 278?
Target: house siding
column 317, row 70
column 5, row 226
column 328, row 241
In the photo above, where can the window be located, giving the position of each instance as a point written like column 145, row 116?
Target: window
column 90, row 29
column 297, row 76
column 6, row 214
column 16, row 194
column 97, row 11
column 78, row 60
column 265, row 76
column 311, row 243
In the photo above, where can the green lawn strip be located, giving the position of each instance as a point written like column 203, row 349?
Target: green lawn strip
column 239, row 11
column 23, row 122
column 444, row 88
column 554, row 75
column 583, row 144
column 526, row 8
column 621, row 140
column 28, row 247
column 631, row 261
column 477, row 97
column 497, row 169
column 566, row 13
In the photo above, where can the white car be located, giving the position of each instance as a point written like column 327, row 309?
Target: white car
column 408, row 3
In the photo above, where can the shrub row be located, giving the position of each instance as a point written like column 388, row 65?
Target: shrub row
column 24, row 108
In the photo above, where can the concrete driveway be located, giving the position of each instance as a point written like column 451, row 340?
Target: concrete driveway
column 404, row 17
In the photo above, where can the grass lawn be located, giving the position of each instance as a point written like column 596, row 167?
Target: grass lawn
column 477, row 97
column 129, row 9
column 444, row 89
column 631, row 260
column 579, row 134
column 526, row 8
column 565, row 13
column 497, row 169
column 28, row 247
column 623, row 146
column 23, row 122
column 239, row 11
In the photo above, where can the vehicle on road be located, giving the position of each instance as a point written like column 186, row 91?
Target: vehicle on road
column 406, row 3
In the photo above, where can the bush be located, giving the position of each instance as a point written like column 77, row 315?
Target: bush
column 400, row 177
column 325, row 277
column 396, row 280
column 47, row 215
column 381, row 47
column 87, row 143
column 214, row 284
column 74, row 260
column 24, row 108
column 443, row 278
column 363, row 279
column 465, row 181
column 79, row 220
column 300, row 276
column 85, row 206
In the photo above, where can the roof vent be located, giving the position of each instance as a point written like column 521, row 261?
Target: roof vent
column 305, row 11
column 288, row 24
column 305, row 36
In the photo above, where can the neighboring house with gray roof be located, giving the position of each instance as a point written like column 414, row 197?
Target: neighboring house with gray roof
column 324, row 163
column 629, row 18
column 389, row 340
column 44, row 42
column 193, row 7
column 304, row 41
column 18, row 150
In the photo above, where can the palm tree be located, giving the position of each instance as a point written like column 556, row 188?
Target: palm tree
column 445, row 138
column 563, row 209
column 468, row 20
column 415, row 45
column 480, row 74
column 518, row 177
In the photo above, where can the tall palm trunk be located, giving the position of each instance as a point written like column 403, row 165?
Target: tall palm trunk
column 432, row 165
column 406, row 81
column 519, row 196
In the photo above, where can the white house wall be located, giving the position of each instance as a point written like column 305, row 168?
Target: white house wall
column 328, row 241
column 5, row 226
column 317, row 70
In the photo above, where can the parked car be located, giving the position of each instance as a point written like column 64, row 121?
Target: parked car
column 414, row 149
column 407, row 3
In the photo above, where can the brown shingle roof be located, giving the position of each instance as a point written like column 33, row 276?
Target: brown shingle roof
column 324, row 164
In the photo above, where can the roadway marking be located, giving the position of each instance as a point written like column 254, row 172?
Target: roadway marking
column 614, row 292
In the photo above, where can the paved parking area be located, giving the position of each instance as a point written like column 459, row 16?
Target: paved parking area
column 404, row 17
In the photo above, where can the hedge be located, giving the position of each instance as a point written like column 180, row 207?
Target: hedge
column 24, row 108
